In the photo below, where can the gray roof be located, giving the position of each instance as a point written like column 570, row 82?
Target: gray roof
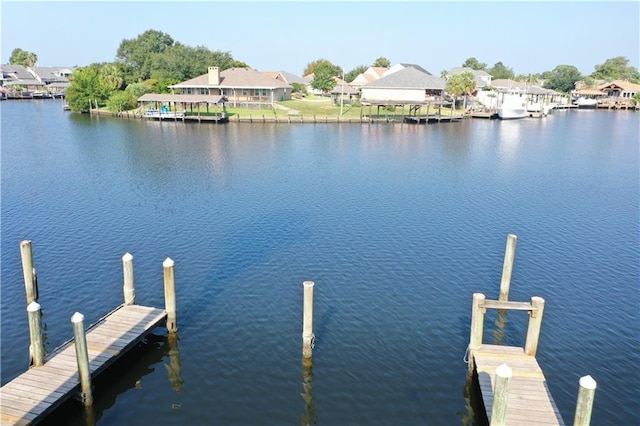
column 408, row 78
column 17, row 72
column 48, row 74
column 292, row 78
column 195, row 99
column 460, row 70
column 235, row 78
column 418, row 67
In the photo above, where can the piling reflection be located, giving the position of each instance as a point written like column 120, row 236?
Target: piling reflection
column 309, row 416
column 174, row 368
column 89, row 416
column 501, row 325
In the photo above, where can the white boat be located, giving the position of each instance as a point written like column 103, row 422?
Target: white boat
column 512, row 108
column 538, row 107
column 583, row 102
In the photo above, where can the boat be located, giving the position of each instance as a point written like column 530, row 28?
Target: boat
column 583, row 102
column 538, row 107
column 512, row 108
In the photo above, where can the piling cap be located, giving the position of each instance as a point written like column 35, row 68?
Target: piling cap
column 308, row 283
column 127, row 256
column 504, row 371
column 77, row 317
column 33, row 307
column 587, row 382
column 168, row 263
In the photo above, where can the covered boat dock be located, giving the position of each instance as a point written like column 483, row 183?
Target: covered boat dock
column 166, row 106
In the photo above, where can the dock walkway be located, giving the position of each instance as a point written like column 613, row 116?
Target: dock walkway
column 36, row 393
column 530, row 401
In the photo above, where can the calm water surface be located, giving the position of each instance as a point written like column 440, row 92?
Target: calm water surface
column 397, row 224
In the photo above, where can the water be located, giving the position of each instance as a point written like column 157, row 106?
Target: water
column 397, row 224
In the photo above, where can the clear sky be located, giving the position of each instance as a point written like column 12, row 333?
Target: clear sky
column 528, row 37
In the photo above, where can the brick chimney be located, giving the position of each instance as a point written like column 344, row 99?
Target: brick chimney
column 214, row 76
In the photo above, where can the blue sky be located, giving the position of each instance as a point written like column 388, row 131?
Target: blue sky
column 528, row 37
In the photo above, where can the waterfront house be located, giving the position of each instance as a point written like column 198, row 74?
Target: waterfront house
column 244, row 87
column 482, row 78
column 405, row 85
column 371, row 74
column 19, row 82
column 620, row 90
column 401, row 66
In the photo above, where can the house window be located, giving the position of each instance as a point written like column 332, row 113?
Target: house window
column 187, row 91
column 245, row 92
column 264, row 92
column 256, row 92
column 204, row 91
column 225, row 92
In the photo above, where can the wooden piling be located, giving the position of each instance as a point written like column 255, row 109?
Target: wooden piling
column 507, row 267
column 585, row 401
column 501, row 395
column 36, row 349
column 477, row 326
column 28, row 271
column 170, row 294
column 307, row 320
column 128, row 289
column 82, row 357
column 535, row 322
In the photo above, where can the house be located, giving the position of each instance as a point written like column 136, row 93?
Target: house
column 343, row 92
column 371, row 74
column 288, row 78
column 482, row 78
column 620, row 89
column 409, row 84
column 401, row 66
column 338, row 80
column 244, row 86
column 18, row 79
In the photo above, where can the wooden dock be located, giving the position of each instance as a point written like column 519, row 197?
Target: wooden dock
column 31, row 396
column 530, row 401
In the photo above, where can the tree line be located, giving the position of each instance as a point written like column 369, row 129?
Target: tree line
column 153, row 61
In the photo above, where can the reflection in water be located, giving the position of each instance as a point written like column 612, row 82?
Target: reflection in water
column 501, row 324
column 174, row 369
column 89, row 416
column 309, row 416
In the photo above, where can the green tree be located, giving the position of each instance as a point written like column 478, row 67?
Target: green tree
column 444, row 75
column 137, row 54
column 351, row 75
column 563, row 78
column 499, row 70
column 138, row 89
column 382, row 62
column 323, row 77
column 617, row 68
column 112, row 76
column 85, row 86
column 461, row 84
column 474, row 64
column 23, row 57
column 312, row 66
column 121, row 101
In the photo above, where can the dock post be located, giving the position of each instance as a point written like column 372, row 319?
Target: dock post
column 129, row 289
column 170, row 294
column 501, row 395
column 585, row 401
column 507, row 267
column 477, row 326
column 307, row 321
column 36, row 348
column 28, row 271
column 82, row 357
column 535, row 322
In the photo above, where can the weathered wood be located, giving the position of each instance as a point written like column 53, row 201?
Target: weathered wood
column 307, row 319
column 36, row 348
column 82, row 357
column 501, row 395
column 170, row 295
column 34, row 394
column 535, row 323
column 129, row 288
column 28, row 271
column 506, row 305
column 507, row 267
column 530, row 401
column 477, row 321
column 584, row 405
